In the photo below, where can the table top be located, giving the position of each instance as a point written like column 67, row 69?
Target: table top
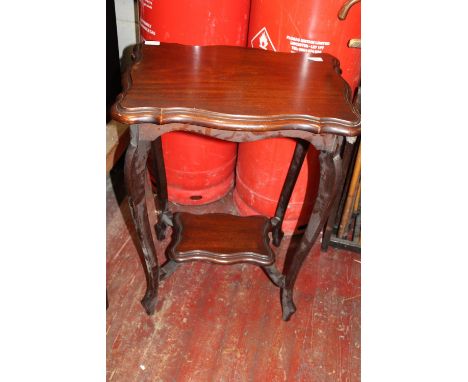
column 234, row 88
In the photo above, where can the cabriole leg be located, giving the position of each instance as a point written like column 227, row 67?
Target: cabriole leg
column 331, row 221
column 161, row 199
column 300, row 152
column 135, row 177
column 274, row 274
column 330, row 173
column 167, row 269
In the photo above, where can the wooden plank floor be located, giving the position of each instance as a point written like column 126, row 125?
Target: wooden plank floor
column 223, row 323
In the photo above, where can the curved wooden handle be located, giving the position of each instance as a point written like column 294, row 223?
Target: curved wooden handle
column 343, row 12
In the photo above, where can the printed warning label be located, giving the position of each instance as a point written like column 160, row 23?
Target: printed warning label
column 304, row 45
column 262, row 40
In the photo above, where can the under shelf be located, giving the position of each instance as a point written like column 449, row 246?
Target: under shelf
column 221, row 238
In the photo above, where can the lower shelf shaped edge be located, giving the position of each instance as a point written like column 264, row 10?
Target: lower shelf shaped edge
column 221, row 238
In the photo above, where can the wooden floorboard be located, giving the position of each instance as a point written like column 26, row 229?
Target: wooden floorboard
column 223, row 323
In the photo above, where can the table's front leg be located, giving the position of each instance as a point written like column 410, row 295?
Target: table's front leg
column 330, row 173
column 161, row 199
column 135, row 177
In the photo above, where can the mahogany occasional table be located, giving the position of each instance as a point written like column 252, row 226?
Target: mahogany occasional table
column 239, row 95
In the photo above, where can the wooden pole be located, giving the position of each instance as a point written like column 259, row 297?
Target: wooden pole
column 347, row 211
column 357, row 201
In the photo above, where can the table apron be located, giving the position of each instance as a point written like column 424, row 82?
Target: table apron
column 322, row 142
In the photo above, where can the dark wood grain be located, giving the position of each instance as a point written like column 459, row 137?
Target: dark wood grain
column 236, row 89
column 161, row 198
column 239, row 95
column 221, row 239
column 232, row 309
column 298, row 157
column 330, row 177
column 135, row 176
column 349, row 157
column 331, row 221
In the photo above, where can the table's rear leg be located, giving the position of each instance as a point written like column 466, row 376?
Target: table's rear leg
column 161, row 198
column 135, row 173
column 331, row 221
column 297, row 160
column 275, row 275
column 167, row 269
column 330, row 173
